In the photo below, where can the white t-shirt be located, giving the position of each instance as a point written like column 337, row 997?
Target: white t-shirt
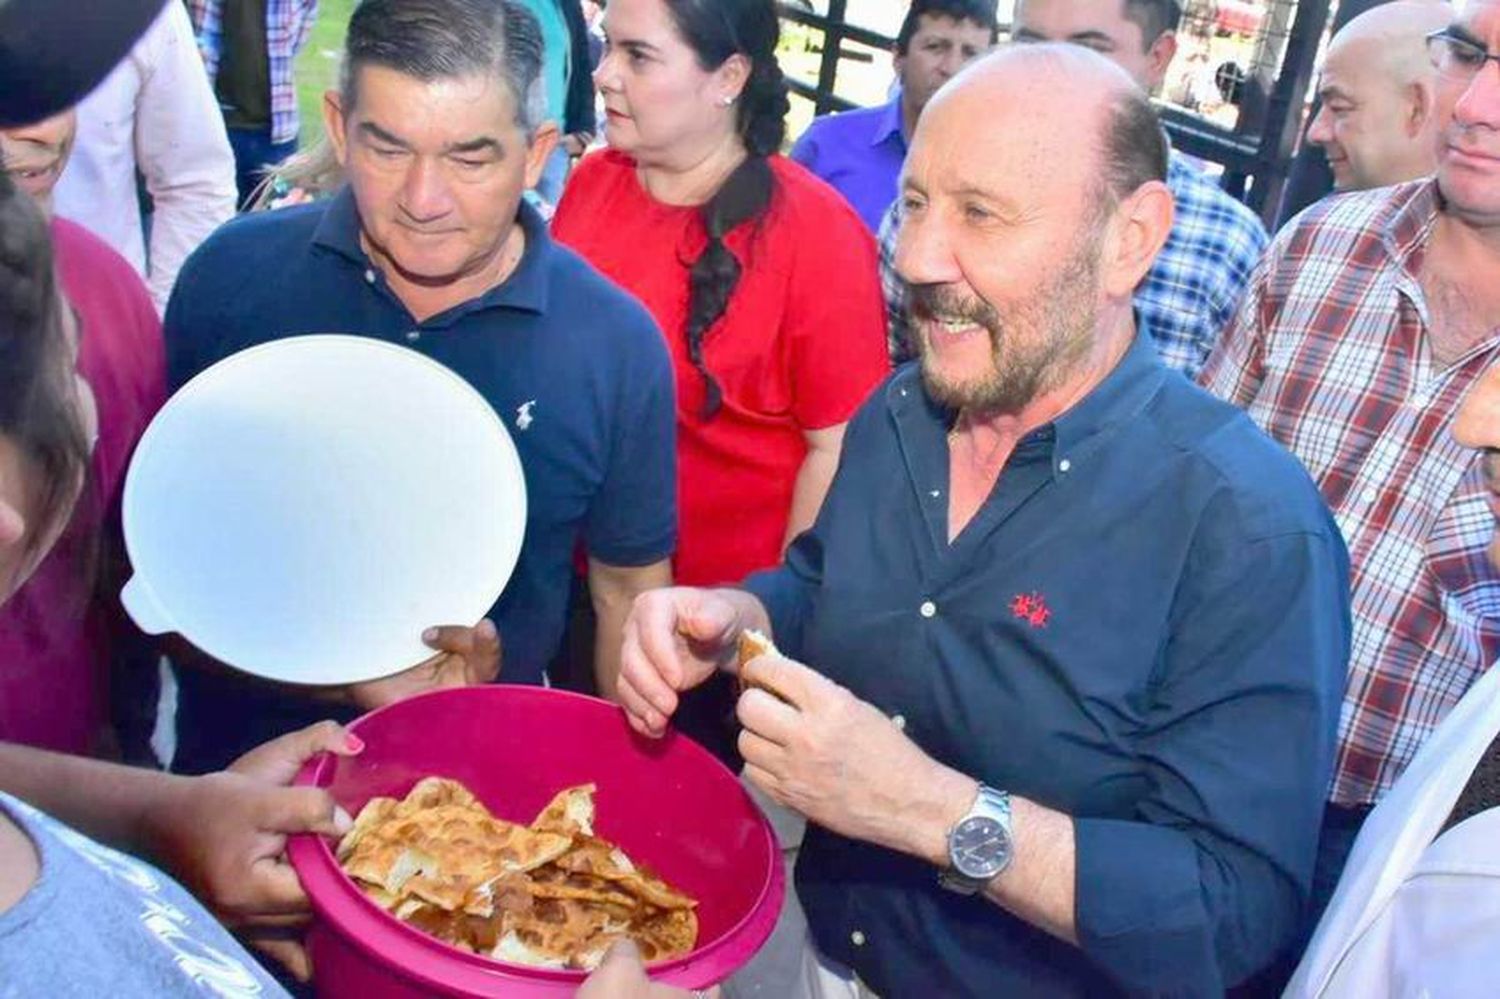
column 1417, row 914
column 156, row 113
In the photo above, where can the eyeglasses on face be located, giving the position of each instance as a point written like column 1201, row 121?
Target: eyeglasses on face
column 1455, row 56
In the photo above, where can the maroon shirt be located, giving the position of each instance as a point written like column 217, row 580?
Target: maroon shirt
column 55, row 632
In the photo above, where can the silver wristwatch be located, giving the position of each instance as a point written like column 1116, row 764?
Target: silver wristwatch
column 979, row 845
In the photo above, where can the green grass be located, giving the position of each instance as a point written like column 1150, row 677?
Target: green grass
column 318, row 64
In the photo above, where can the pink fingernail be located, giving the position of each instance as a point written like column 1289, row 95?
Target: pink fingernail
column 353, row 743
column 430, row 635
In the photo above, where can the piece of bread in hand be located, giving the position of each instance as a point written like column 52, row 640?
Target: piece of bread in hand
column 753, row 643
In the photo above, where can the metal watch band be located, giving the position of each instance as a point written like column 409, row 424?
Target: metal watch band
column 988, row 803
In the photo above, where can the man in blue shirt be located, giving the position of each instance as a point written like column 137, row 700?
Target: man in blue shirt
column 1079, row 629
column 860, row 152
column 1190, row 294
column 429, row 246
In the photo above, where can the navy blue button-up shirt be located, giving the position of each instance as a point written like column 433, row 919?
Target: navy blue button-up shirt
column 1145, row 626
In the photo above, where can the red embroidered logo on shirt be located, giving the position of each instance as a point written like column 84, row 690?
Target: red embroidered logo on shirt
column 1031, row 608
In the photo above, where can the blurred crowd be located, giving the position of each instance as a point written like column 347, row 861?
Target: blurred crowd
column 1133, row 570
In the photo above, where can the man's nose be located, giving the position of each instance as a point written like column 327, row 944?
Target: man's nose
column 425, row 195
column 1480, row 102
column 924, row 253
column 1320, row 130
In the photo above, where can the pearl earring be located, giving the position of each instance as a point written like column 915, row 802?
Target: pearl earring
column 724, row 102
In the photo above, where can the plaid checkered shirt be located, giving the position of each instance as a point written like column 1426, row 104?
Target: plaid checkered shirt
column 1188, row 296
column 1329, row 354
column 288, row 23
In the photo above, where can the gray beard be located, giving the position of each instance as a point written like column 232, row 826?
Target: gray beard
column 1033, row 349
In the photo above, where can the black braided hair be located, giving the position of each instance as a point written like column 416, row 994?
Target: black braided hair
column 716, row 30
column 38, row 410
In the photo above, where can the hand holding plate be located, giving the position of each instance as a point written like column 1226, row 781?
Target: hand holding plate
column 466, row 657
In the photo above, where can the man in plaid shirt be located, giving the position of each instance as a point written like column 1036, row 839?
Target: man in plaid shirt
column 1200, row 275
column 1364, row 327
column 249, row 48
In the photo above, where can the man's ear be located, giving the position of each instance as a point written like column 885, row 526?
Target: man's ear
column 333, row 125
column 1421, row 105
column 1159, row 57
column 1141, row 224
column 543, row 141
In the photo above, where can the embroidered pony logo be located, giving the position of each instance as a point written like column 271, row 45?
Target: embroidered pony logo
column 1031, row 608
column 523, row 414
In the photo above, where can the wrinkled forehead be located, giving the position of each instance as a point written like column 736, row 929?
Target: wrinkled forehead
column 1019, row 138
column 443, row 107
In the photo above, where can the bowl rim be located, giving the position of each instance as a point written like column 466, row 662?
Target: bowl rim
column 375, row 932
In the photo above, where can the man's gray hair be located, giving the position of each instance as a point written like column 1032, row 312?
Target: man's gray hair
column 450, row 39
column 1134, row 146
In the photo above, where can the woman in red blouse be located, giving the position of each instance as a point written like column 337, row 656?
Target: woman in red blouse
column 762, row 278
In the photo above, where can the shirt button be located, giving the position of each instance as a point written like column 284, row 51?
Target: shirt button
column 1420, row 400
column 857, row 938
column 928, row 608
column 935, row 493
column 369, row 276
column 412, row 336
column 1368, row 497
column 1064, row 465
column 899, row 721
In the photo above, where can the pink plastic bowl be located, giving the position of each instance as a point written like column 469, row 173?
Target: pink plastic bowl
column 669, row 804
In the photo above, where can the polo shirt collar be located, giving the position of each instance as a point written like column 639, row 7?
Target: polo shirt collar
column 889, row 122
column 1122, row 395
column 526, row 288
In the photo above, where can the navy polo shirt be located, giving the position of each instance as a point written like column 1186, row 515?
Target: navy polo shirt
column 575, row 367
column 1145, row 626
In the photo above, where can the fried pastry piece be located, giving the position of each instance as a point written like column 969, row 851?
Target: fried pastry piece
column 431, row 792
column 570, row 812
column 752, row 644
column 668, row 934
column 602, row 859
column 560, row 933
column 550, row 895
column 446, row 854
column 552, row 882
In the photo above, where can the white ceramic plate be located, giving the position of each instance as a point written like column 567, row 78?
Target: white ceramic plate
column 302, row 510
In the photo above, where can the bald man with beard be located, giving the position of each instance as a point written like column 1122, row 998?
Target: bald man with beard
column 1074, row 631
column 1381, row 113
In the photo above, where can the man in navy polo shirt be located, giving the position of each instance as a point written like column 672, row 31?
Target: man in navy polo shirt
column 860, row 152
column 1079, row 629
column 430, row 246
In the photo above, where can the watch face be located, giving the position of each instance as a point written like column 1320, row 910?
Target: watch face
column 979, row 847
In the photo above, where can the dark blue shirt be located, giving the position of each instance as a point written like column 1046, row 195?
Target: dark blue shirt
column 574, row 366
column 1145, row 626
column 859, row 152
